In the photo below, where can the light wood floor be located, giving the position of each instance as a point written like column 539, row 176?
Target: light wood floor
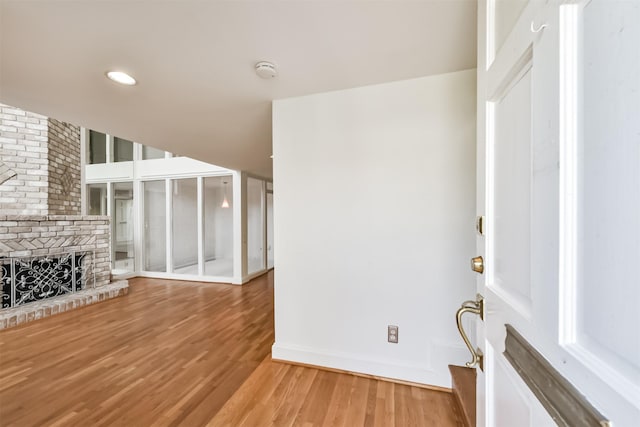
column 280, row 394
column 192, row 354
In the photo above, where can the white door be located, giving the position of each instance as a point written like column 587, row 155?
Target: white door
column 559, row 187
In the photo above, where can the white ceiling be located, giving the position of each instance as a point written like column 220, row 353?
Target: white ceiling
column 198, row 94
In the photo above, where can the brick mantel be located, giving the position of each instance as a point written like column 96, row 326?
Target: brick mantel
column 41, row 235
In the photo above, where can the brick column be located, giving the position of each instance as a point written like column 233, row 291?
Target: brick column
column 24, row 165
column 64, row 168
column 39, row 165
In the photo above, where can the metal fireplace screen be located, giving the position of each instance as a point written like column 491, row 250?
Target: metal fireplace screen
column 26, row 280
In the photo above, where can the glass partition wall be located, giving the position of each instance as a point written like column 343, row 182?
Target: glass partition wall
column 97, row 148
column 270, row 260
column 154, row 231
column 199, row 216
column 255, row 225
column 122, row 150
column 97, row 199
column 176, row 218
column 149, row 153
column 187, row 226
column 184, row 226
column 218, row 226
column 122, row 254
column 270, row 249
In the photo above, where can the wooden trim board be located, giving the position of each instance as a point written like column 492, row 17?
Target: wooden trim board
column 463, row 382
column 566, row 405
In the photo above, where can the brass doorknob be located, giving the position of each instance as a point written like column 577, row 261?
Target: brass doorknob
column 477, row 264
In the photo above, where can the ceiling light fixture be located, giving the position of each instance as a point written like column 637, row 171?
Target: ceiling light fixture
column 266, row 70
column 121, row 77
column 225, row 202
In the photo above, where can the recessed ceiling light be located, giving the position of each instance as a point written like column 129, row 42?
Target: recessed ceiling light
column 122, row 78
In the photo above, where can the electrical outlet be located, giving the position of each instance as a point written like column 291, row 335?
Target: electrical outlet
column 392, row 334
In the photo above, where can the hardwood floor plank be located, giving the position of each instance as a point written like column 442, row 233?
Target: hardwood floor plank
column 357, row 409
column 370, row 413
column 340, row 399
column 297, row 384
column 385, row 409
column 320, row 391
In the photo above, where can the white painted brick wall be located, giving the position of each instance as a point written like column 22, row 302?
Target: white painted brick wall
column 64, row 168
column 42, row 156
column 23, row 152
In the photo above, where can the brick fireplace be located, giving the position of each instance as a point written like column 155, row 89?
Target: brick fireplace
column 40, row 201
column 26, row 236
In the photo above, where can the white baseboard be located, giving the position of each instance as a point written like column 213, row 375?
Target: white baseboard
column 362, row 365
column 183, row 277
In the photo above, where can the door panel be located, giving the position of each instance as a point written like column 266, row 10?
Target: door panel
column 516, row 405
column 509, row 274
column 510, row 397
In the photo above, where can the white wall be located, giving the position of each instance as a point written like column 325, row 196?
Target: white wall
column 374, row 225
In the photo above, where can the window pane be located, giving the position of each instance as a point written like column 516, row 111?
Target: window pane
column 123, row 226
column 185, row 225
column 122, row 150
column 255, row 226
column 609, row 192
column 154, row 226
column 218, row 226
column 97, row 147
column 97, row 199
column 149, row 153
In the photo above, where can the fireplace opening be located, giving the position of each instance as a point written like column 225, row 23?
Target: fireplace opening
column 31, row 279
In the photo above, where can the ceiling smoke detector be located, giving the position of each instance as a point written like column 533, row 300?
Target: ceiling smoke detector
column 266, row 70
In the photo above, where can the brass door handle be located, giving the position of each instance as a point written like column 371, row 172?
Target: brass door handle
column 477, row 264
column 476, row 307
